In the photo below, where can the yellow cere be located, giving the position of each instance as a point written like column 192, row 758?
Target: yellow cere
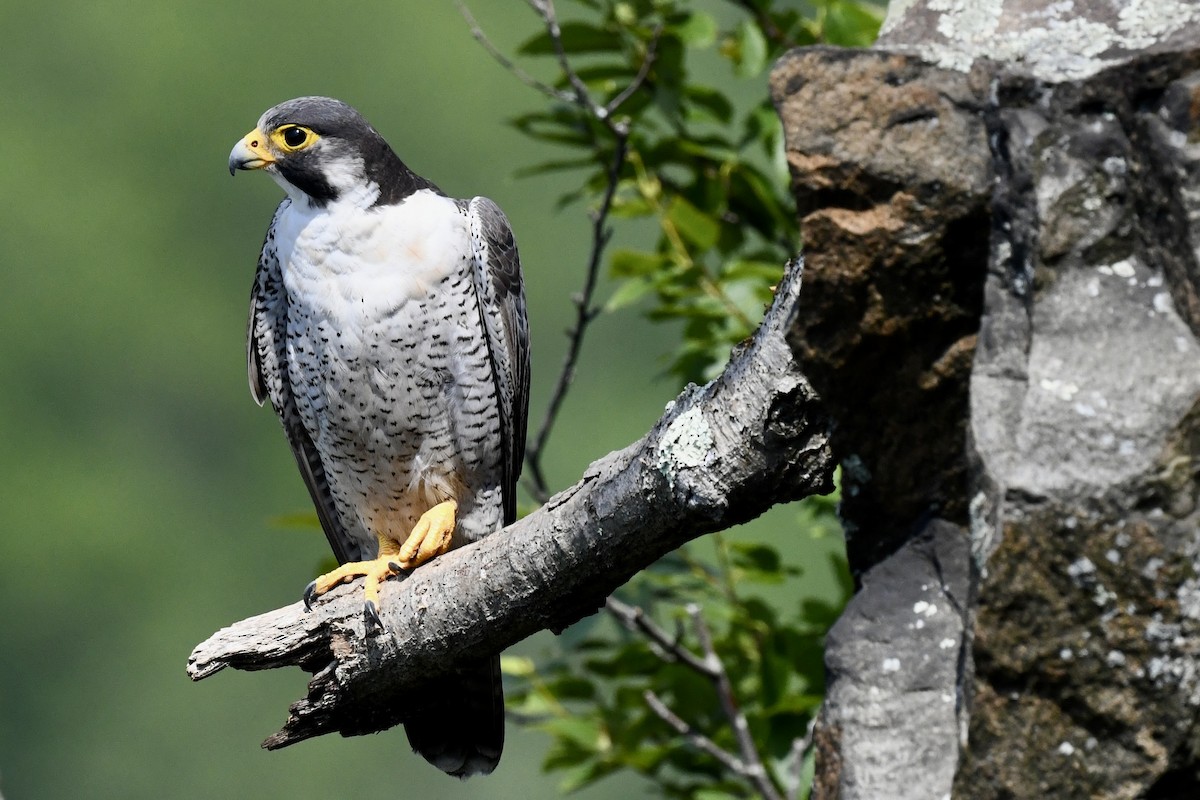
column 256, row 143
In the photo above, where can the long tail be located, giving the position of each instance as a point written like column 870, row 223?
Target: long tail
column 461, row 732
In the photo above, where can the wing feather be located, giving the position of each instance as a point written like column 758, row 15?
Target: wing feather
column 497, row 273
column 266, row 363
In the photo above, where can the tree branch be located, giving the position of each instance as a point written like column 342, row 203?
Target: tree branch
column 585, row 312
column 505, row 62
column 720, row 455
column 795, row 759
column 754, row 770
column 583, row 98
column 667, row 647
column 750, row 766
column 694, row 737
column 585, row 309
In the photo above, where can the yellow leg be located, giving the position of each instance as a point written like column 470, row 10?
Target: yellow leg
column 430, row 536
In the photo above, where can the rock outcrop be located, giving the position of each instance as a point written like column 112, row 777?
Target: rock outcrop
column 1001, row 213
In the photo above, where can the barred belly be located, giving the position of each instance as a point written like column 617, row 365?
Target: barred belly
column 402, row 409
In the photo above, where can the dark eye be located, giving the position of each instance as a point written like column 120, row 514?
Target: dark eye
column 294, row 137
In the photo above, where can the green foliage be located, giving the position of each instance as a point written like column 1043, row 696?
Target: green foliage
column 657, row 143
column 702, row 166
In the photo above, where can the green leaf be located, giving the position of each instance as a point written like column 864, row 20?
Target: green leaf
column 626, row 263
column 795, row 703
column 758, row 611
column 716, row 105
column 625, row 14
column 577, row 37
column 851, row 24
column 606, row 76
column 693, row 224
column 762, row 125
column 517, row 666
column 628, row 293
column 698, row 30
column 583, row 775
column 668, row 78
column 565, row 753
column 631, row 206
column 763, row 272
column 646, row 759
column 572, row 687
column 751, row 50
column 712, row 148
column 562, row 127
column 684, row 690
column 755, row 557
column 581, row 731
column 757, row 203
column 632, row 659
column 714, row 794
column 533, row 705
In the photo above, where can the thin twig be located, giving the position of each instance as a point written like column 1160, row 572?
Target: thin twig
column 749, row 766
column 669, row 648
column 797, row 754
column 505, row 61
column 585, row 308
column 583, row 97
column 754, row 769
column 694, row 737
column 585, row 312
column 642, row 74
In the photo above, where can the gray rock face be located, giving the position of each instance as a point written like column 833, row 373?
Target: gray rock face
column 880, row 682
column 1084, row 364
column 1083, row 430
column 1002, row 310
column 1052, row 40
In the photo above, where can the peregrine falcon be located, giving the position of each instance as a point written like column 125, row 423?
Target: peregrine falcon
column 388, row 330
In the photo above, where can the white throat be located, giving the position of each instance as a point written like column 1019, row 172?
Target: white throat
column 345, row 176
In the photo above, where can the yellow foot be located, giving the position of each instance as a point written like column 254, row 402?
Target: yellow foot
column 374, row 571
column 429, row 537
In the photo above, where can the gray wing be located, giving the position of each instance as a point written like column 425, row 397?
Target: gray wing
column 462, row 731
column 266, row 363
column 497, row 274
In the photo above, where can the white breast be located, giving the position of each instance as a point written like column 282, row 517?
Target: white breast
column 352, row 265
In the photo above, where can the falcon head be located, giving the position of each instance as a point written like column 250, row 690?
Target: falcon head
column 321, row 150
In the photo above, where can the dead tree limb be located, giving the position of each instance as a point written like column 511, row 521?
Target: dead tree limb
column 720, row 455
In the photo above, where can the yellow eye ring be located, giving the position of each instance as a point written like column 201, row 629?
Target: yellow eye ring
column 291, row 138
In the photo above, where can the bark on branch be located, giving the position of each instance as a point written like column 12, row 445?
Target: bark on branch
column 720, row 455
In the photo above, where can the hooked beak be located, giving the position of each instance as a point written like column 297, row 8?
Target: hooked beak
column 250, row 153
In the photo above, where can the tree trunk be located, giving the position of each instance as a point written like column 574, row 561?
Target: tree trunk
column 1001, row 211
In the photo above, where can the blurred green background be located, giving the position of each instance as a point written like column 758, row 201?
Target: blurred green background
column 140, row 482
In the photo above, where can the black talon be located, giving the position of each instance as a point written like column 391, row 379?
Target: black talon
column 371, row 620
column 310, row 592
column 395, row 567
